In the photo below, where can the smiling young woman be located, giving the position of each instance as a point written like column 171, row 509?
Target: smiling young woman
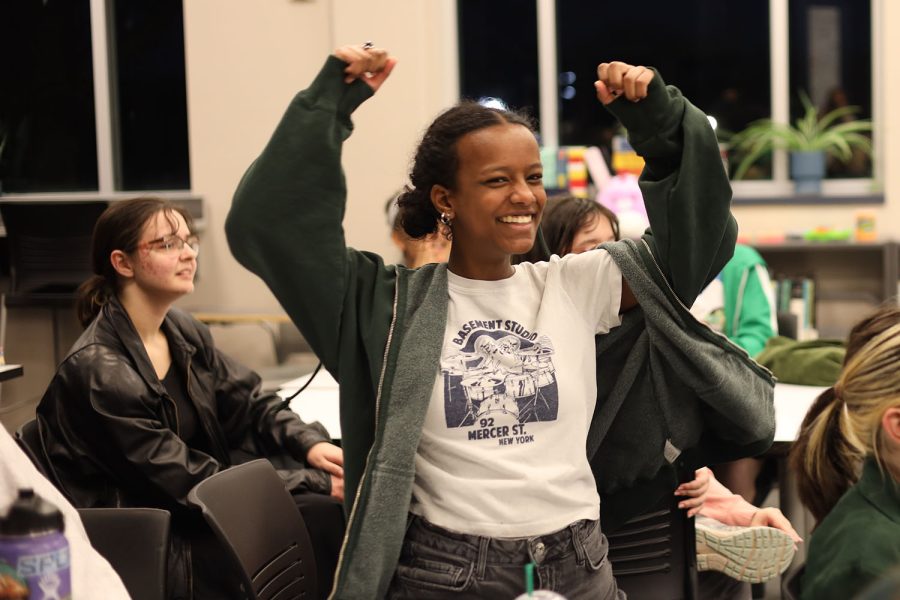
column 467, row 383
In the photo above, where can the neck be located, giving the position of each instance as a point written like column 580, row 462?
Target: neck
column 486, row 270
column 146, row 313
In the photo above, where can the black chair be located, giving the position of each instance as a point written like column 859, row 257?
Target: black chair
column 49, row 253
column 253, row 515
column 654, row 555
column 135, row 541
column 790, row 584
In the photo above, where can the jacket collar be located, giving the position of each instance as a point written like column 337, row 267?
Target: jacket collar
column 121, row 326
column 880, row 489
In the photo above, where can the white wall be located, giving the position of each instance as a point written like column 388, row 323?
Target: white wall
column 245, row 60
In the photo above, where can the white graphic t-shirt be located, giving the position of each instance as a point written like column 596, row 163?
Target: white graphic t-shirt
column 502, row 453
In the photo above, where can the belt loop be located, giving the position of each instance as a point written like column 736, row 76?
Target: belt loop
column 577, row 542
column 483, row 544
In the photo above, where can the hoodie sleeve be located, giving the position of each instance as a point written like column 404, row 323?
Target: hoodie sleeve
column 285, row 222
column 685, row 187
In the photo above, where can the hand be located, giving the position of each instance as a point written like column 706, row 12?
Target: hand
column 326, row 457
column 695, row 490
column 772, row 517
column 617, row 78
column 373, row 66
column 337, row 487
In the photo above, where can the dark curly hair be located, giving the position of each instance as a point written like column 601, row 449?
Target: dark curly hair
column 436, row 160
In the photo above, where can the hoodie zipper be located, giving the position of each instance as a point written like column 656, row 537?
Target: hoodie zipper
column 362, row 480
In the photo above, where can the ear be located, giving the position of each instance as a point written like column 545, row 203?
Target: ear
column 440, row 199
column 890, row 423
column 121, row 262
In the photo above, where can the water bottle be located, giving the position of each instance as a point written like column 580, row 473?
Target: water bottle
column 34, row 553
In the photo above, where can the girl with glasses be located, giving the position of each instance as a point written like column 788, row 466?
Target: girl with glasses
column 144, row 406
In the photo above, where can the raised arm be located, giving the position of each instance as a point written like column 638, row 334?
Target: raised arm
column 285, row 221
column 685, row 188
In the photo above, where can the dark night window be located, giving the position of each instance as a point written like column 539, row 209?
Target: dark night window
column 49, row 116
column 716, row 52
column 498, row 54
column 831, row 60
column 152, row 100
column 47, row 130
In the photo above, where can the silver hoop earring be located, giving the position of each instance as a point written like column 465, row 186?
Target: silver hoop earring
column 448, row 226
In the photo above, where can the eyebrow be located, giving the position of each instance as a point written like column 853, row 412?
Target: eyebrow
column 490, row 168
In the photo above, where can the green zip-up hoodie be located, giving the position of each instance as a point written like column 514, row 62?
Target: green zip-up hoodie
column 669, row 389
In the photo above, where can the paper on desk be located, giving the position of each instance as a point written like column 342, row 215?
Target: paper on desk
column 791, row 404
column 318, row 402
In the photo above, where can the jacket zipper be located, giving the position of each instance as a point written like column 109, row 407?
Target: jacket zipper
column 681, row 304
column 362, row 480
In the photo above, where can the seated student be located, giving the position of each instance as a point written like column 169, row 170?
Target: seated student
column 573, row 225
column 847, row 460
column 91, row 575
column 432, row 248
column 144, row 407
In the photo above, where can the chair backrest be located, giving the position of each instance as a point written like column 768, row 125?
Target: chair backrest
column 654, row 555
column 28, row 437
column 254, row 516
column 49, row 248
column 135, row 541
column 790, row 584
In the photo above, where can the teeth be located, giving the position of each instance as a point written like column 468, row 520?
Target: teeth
column 516, row 219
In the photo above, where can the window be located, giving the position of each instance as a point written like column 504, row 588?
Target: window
column 47, row 97
column 498, row 52
column 151, row 94
column 94, row 100
column 716, row 52
column 831, row 60
column 737, row 61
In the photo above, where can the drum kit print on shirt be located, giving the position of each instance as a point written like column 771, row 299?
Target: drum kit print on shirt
column 499, row 380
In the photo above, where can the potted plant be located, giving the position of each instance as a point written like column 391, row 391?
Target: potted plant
column 809, row 140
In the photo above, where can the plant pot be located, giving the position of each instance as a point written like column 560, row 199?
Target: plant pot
column 807, row 171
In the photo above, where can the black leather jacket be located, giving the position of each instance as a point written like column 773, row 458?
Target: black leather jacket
column 109, row 429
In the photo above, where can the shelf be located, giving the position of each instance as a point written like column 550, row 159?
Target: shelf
column 804, row 200
column 851, row 278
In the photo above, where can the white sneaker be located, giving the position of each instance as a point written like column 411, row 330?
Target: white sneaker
column 752, row 554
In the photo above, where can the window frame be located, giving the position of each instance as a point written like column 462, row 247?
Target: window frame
column 780, row 185
column 105, row 125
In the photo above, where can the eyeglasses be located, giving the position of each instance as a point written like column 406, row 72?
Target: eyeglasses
column 172, row 244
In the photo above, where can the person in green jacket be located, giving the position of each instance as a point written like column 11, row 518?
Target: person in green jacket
column 481, row 402
column 847, row 459
column 739, row 302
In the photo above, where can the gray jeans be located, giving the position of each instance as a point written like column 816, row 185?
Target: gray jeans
column 436, row 564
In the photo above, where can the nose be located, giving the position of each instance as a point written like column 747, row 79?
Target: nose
column 522, row 193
